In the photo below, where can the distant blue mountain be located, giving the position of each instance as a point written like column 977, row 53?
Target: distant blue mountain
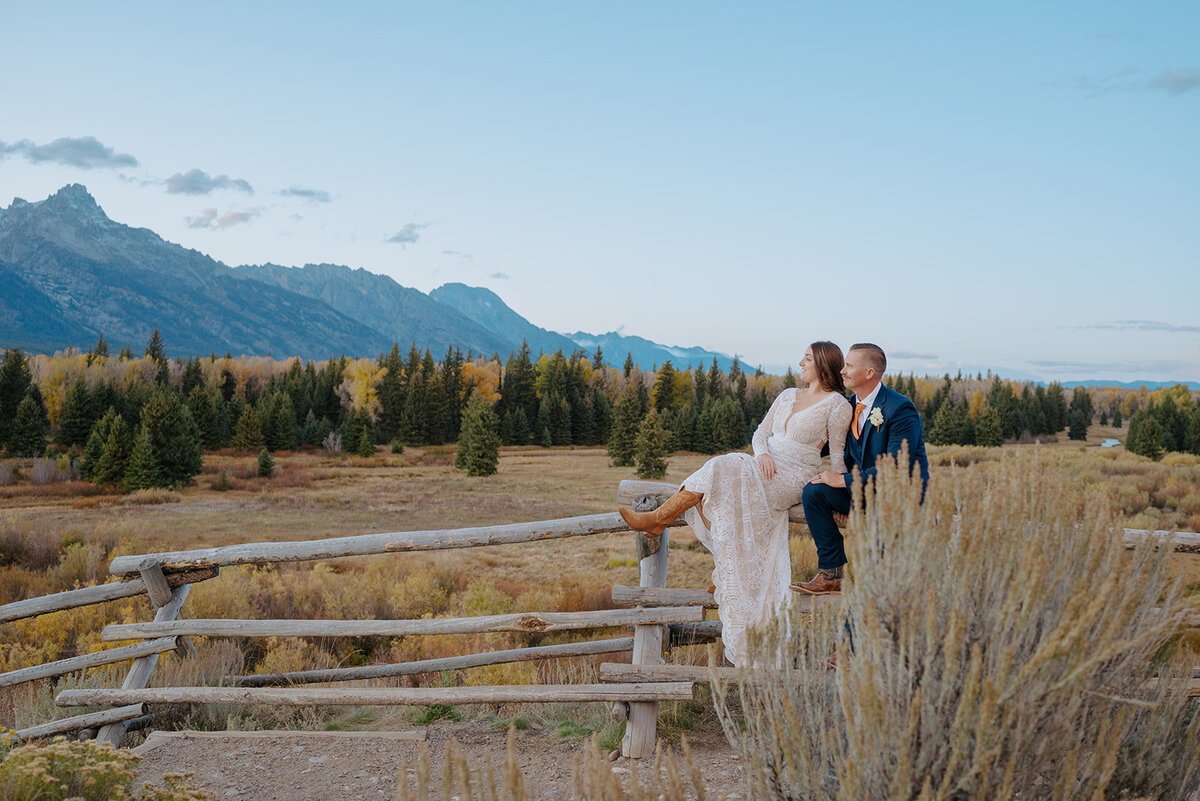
column 1151, row 385
column 487, row 309
column 69, row 274
column 647, row 354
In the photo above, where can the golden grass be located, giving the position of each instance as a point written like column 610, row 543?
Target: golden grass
column 56, row 543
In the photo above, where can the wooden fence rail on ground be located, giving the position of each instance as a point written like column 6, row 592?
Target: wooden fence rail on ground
column 88, row 721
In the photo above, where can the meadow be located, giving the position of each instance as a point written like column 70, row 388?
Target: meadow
column 56, row 536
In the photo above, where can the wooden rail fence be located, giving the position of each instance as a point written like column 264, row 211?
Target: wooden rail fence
column 661, row 617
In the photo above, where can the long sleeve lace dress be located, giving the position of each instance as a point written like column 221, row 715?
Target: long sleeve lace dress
column 748, row 512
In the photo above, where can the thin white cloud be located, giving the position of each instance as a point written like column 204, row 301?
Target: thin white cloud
column 85, row 152
column 1145, row 325
column 311, row 195
column 198, row 182
column 211, row 219
column 408, row 234
column 1176, row 82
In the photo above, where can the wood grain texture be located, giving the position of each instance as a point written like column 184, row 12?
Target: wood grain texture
column 84, row 661
column 590, row 648
column 255, row 553
column 78, row 722
column 381, row 696
column 521, row 621
column 94, row 595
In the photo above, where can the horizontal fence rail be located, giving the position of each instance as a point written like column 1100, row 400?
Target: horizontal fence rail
column 88, row 721
column 563, row 650
column 257, row 553
column 84, row 661
column 99, row 594
column 384, row 696
column 520, row 622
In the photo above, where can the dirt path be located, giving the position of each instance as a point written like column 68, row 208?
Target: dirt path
column 299, row 766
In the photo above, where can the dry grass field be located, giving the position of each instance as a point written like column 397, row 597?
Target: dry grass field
column 56, row 537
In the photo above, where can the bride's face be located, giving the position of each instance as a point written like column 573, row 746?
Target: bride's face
column 808, row 371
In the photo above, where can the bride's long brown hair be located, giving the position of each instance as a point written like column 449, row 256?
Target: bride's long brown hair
column 828, row 361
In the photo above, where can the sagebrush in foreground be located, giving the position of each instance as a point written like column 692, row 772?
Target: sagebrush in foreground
column 996, row 642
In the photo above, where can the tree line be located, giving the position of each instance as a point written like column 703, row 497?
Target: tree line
column 139, row 421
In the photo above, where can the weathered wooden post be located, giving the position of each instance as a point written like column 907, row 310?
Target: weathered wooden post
column 167, row 603
column 641, row 731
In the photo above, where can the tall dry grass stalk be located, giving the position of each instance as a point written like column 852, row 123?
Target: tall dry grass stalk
column 996, row 642
column 592, row 778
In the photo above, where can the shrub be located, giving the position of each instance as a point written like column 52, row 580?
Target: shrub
column 265, row 463
column 974, row 660
column 651, row 447
column 479, row 443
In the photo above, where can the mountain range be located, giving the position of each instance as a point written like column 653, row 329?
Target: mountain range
column 69, row 274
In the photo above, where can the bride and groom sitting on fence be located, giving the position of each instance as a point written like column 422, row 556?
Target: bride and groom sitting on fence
column 738, row 504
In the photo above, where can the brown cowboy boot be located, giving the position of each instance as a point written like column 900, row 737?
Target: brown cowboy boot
column 828, row 581
column 654, row 523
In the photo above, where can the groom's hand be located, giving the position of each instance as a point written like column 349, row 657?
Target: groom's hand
column 830, row 478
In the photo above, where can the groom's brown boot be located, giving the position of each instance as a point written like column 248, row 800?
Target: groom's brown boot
column 655, row 522
column 826, row 582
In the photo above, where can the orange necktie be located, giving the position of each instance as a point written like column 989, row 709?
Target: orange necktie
column 858, row 408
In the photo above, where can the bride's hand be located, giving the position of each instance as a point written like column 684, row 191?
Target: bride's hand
column 767, row 465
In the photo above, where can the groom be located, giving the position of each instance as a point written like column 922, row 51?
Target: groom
column 883, row 421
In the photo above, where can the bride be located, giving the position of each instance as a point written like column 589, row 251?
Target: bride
column 738, row 504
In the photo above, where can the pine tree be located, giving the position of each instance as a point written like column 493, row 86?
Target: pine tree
column 202, row 405
column 1192, row 440
column 1116, row 418
column 75, row 420
column 664, row 388
column 987, row 430
column 728, row 430
column 628, row 364
column 364, row 447
column 154, row 348
column 479, row 444
column 265, row 463
column 114, row 458
column 283, row 424
column 27, row 435
column 1104, row 418
column 15, row 379
column 142, row 472
column 789, row 379
column 598, row 359
column 1145, row 435
column 651, row 447
column 1078, row 425
column 247, row 435
column 176, row 443
column 622, row 443
column 91, row 454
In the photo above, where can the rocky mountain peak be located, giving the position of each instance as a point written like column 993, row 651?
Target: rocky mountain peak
column 73, row 200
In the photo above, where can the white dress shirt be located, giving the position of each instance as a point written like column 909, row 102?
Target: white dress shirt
column 867, row 403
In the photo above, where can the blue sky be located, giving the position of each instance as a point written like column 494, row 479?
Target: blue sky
column 1013, row 187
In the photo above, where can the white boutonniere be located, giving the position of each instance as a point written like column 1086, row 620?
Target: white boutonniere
column 876, row 417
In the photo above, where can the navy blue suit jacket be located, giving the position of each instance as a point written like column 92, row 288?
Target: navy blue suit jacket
column 901, row 423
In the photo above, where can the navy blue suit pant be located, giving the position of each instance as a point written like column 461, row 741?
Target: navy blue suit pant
column 821, row 503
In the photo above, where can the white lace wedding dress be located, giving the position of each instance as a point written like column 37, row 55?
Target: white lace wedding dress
column 749, row 512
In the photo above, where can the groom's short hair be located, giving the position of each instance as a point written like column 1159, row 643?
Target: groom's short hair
column 874, row 354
